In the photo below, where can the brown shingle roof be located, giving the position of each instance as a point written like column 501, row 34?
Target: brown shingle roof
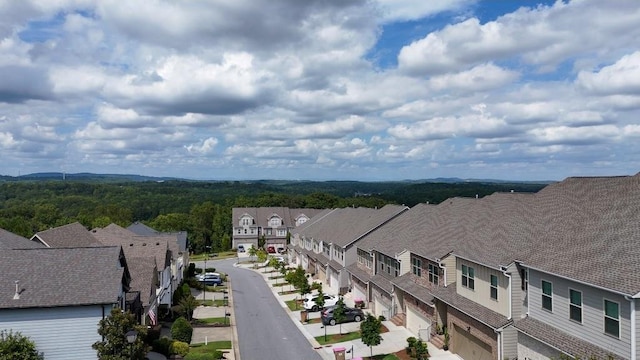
column 70, row 235
column 143, row 278
column 136, row 246
column 51, row 277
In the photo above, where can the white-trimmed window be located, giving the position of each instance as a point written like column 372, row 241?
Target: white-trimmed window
column 275, row 221
column 494, row 287
column 416, row 266
column 468, row 277
column 611, row 318
column 433, row 274
column 547, row 295
column 575, row 305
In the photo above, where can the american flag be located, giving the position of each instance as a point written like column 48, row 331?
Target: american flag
column 152, row 317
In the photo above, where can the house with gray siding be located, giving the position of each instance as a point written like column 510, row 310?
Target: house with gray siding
column 57, row 296
column 329, row 242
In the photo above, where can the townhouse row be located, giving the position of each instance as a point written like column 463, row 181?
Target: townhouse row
column 59, row 284
column 511, row 275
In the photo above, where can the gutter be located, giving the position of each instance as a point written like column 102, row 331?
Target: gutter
column 444, row 271
column 508, row 275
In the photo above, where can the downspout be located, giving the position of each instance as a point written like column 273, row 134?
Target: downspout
column 508, row 275
column 632, row 302
column 499, row 332
column 444, row 271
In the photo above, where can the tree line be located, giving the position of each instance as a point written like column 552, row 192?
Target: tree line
column 203, row 209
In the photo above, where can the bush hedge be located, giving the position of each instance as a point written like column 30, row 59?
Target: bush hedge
column 179, row 348
column 182, row 330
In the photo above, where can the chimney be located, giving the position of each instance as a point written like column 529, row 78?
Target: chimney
column 16, row 296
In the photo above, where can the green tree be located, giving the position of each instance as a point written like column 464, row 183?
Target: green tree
column 261, row 241
column 370, row 330
column 113, row 330
column 262, row 255
column 15, row 346
column 253, row 252
column 274, row 263
column 187, row 305
column 181, row 330
column 339, row 313
column 320, row 299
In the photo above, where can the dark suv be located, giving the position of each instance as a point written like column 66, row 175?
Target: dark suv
column 350, row 315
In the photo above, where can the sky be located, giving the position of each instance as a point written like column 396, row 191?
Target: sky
column 369, row 90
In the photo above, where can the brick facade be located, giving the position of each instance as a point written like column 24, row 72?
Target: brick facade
column 477, row 329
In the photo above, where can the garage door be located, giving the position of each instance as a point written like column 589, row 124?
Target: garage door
column 381, row 308
column 322, row 274
column 359, row 293
column 417, row 321
column 468, row 346
column 334, row 283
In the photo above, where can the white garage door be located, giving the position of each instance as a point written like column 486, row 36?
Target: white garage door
column 417, row 323
column 358, row 293
column 381, row 308
column 334, row 281
column 322, row 274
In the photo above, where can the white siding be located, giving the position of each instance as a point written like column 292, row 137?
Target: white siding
column 405, row 262
column 65, row 333
column 592, row 327
column 482, row 290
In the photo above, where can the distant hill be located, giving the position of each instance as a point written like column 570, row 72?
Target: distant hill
column 49, row 176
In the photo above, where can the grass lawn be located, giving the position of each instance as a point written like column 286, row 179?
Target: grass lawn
column 206, row 302
column 280, row 284
column 276, row 277
column 220, row 302
column 336, row 338
column 292, row 304
column 213, row 320
column 287, row 292
column 210, row 347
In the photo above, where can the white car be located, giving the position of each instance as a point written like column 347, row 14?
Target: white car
column 310, row 301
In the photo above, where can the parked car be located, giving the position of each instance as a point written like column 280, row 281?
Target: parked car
column 282, row 250
column 241, row 248
column 350, row 315
column 309, row 303
column 210, row 278
column 271, row 249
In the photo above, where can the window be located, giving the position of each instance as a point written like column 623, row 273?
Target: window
column 494, row 287
column 612, row 318
column 433, row 274
column 468, row 280
column 524, row 274
column 547, row 291
column 245, row 231
column 416, row 266
column 365, row 258
column 575, row 305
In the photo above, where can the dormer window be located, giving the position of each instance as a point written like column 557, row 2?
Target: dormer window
column 275, row 221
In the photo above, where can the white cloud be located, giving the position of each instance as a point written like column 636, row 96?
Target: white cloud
column 621, row 78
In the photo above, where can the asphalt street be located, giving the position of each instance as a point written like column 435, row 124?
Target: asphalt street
column 265, row 331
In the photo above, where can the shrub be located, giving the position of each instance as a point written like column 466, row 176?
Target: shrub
column 153, row 334
column 180, row 348
column 162, row 346
column 210, row 356
column 181, row 330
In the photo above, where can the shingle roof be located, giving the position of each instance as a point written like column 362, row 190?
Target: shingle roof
column 488, row 317
column 70, row 235
column 261, row 215
column 357, row 272
column 406, row 284
column 50, row 277
column 144, row 230
column 344, row 226
column 589, row 230
column 9, row 240
column 560, row 340
column 143, row 274
column 135, row 246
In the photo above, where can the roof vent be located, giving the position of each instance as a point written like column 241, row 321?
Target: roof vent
column 158, row 243
column 16, row 296
column 131, row 244
column 512, row 191
column 144, row 244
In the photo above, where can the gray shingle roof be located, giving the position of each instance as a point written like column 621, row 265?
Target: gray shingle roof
column 344, row 226
column 354, row 270
column 9, row 240
column 561, row 340
column 406, row 284
column 143, row 278
column 136, row 246
column 144, row 230
column 262, row 215
column 51, row 277
column 70, row 235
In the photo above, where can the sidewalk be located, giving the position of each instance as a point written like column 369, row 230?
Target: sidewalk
column 392, row 341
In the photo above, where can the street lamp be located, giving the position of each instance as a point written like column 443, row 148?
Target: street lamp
column 131, row 336
column 325, row 332
column 204, row 273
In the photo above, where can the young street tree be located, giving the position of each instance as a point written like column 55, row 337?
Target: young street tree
column 339, row 313
column 113, row 329
column 15, row 346
column 370, row 330
column 320, row 299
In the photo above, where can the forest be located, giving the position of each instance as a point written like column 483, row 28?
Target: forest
column 203, row 208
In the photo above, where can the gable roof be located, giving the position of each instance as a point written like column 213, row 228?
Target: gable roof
column 70, row 235
column 135, row 246
column 82, row 276
column 143, row 277
column 9, row 240
column 179, row 237
column 261, row 215
column 344, row 226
